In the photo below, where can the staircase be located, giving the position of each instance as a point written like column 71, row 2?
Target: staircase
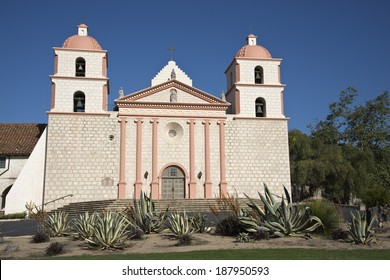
column 188, row 205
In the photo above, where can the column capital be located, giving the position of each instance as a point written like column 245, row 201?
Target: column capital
column 221, row 122
column 139, row 120
column 156, row 120
column 191, row 121
column 122, row 119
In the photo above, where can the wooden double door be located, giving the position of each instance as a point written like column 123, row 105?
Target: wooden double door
column 173, row 183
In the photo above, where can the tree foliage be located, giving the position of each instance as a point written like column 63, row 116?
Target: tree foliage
column 346, row 153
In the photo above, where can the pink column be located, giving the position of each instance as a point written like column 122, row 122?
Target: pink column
column 154, row 185
column 138, row 155
column 222, row 171
column 192, row 191
column 208, row 193
column 122, row 159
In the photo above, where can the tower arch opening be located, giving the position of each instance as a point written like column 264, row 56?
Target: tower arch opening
column 259, row 75
column 260, row 108
column 79, row 102
column 80, row 67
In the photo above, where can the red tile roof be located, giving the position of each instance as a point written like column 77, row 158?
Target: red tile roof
column 17, row 139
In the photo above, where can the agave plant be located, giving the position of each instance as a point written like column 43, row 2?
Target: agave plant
column 58, row 224
column 110, row 230
column 179, row 224
column 145, row 217
column 279, row 218
column 198, row 222
column 243, row 237
column 360, row 231
column 84, row 225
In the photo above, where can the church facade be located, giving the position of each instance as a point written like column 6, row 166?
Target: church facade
column 170, row 139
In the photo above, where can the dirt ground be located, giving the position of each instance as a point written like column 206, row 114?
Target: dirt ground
column 23, row 247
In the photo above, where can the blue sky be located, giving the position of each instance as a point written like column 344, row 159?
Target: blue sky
column 326, row 46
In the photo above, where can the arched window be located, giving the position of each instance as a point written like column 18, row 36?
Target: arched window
column 260, row 108
column 79, row 102
column 259, row 75
column 80, row 67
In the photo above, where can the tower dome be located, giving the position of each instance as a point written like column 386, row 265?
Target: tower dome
column 81, row 40
column 252, row 50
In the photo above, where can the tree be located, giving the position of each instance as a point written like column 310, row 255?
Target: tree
column 346, row 153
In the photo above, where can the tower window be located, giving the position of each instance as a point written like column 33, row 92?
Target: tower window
column 80, row 67
column 260, row 108
column 79, row 102
column 259, row 75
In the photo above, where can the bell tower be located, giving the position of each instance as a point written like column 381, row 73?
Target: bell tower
column 253, row 82
column 79, row 82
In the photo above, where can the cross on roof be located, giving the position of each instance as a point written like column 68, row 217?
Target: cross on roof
column 171, row 49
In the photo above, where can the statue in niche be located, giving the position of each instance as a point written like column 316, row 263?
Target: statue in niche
column 173, row 96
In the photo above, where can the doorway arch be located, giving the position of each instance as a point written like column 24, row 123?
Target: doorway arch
column 173, row 182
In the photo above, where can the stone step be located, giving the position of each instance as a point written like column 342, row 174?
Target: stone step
column 187, row 205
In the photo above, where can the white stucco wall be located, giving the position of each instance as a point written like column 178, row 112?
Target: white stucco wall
column 13, row 167
column 29, row 184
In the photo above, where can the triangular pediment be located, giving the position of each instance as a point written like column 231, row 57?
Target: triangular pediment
column 171, row 93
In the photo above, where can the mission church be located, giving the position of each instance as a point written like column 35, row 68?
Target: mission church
column 170, row 139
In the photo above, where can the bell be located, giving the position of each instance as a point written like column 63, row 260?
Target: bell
column 79, row 104
column 80, row 68
column 258, row 75
column 259, row 109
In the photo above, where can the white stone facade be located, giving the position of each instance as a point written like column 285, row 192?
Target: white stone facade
column 167, row 135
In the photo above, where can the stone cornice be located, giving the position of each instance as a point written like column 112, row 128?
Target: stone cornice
column 78, row 78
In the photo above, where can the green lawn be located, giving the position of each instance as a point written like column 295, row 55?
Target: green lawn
column 249, row 254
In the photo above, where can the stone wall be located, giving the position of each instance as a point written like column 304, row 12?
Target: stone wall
column 257, row 153
column 82, row 158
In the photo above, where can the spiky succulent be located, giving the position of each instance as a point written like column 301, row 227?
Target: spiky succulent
column 361, row 231
column 279, row 218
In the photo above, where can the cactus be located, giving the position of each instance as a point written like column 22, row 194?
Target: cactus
column 180, row 225
column 243, row 237
column 84, row 225
column 144, row 216
column 110, row 230
column 279, row 218
column 360, row 231
column 58, row 224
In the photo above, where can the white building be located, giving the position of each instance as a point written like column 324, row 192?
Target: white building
column 169, row 139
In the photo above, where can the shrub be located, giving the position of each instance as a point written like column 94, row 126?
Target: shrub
column 136, row 234
column 58, row 224
column 84, row 225
column 360, row 231
column 260, row 234
column 185, row 240
column 54, row 249
column 21, row 215
column 327, row 212
column 11, row 247
column 340, row 234
column 280, row 218
column 227, row 203
column 109, row 231
column 229, row 226
column 41, row 236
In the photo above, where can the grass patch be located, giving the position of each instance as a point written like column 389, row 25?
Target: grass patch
column 249, row 254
